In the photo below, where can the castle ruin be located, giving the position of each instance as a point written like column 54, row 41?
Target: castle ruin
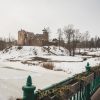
column 30, row 39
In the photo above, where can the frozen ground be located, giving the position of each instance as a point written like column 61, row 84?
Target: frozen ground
column 13, row 73
column 12, row 78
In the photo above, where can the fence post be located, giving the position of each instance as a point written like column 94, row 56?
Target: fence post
column 88, row 68
column 88, row 97
column 28, row 90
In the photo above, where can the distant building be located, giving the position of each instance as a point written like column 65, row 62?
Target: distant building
column 30, row 39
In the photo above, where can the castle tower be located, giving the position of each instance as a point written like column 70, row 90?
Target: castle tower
column 22, row 37
column 45, row 34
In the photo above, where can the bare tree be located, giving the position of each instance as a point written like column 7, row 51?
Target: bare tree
column 69, row 33
column 59, row 31
column 96, row 42
column 48, row 31
column 86, row 38
column 76, row 39
column 92, row 43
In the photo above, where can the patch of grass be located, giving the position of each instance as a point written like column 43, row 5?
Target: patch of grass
column 84, row 53
column 39, row 59
column 84, row 59
column 58, row 69
column 19, row 47
column 48, row 65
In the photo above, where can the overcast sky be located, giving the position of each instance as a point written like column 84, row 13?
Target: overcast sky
column 34, row 15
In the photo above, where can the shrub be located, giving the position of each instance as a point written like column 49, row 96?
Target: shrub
column 93, row 56
column 48, row 65
column 59, row 69
column 84, row 59
column 35, row 52
column 6, row 50
column 84, row 53
column 19, row 47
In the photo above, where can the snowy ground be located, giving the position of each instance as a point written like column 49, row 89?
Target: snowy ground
column 13, row 73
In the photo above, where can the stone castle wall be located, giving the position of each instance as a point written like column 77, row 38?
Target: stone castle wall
column 31, row 39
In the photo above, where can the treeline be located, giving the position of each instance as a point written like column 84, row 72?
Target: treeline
column 6, row 42
column 68, row 37
column 72, row 38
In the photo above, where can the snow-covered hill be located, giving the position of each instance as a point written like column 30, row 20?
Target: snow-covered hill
column 25, row 52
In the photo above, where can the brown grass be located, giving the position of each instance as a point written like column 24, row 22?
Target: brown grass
column 19, row 47
column 48, row 65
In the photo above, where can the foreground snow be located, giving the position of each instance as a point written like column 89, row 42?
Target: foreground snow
column 13, row 75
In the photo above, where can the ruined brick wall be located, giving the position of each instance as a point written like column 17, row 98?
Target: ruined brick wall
column 30, row 39
column 21, row 37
